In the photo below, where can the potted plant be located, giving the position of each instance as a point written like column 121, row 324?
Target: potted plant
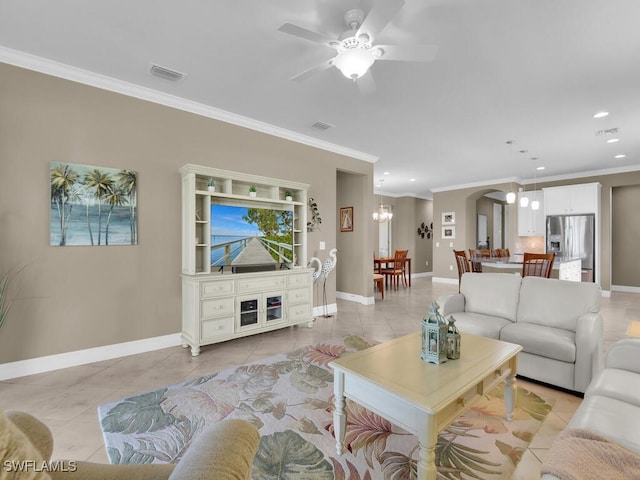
column 288, row 196
column 252, row 191
column 211, row 186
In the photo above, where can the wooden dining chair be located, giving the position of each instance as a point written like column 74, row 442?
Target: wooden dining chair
column 463, row 264
column 475, row 257
column 537, row 264
column 398, row 268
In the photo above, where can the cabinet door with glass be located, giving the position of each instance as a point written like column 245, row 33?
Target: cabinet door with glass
column 260, row 311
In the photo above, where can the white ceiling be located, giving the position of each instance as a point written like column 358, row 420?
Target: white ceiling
column 532, row 71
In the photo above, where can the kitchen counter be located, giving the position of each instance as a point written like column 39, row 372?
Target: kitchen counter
column 564, row 268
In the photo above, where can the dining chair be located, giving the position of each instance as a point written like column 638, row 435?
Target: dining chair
column 463, row 264
column 537, row 264
column 398, row 269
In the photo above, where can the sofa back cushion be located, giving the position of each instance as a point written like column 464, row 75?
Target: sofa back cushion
column 556, row 303
column 19, row 458
column 491, row 294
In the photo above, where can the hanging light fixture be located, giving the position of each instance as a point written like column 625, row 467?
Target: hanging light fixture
column 524, row 200
column 384, row 211
column 535, row 205
column 511, row 196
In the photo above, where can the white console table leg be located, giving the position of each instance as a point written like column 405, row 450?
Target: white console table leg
column 510, row 393
column 428, row 438
column 339, row 413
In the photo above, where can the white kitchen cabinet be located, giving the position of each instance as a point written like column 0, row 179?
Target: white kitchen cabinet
column 531, row 222
column 572, row 199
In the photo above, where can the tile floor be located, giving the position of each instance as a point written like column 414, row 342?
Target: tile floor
column 66, row 400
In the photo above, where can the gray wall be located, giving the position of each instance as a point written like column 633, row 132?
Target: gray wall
column 625, row 236
column 72, row 298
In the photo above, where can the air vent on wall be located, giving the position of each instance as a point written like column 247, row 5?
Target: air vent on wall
column 166, row 73
column 322, row 126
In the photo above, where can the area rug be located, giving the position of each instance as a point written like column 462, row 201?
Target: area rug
column 289, row 397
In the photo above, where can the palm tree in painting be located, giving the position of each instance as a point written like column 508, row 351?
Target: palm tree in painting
column 116, row 197
column 100, row 183
column 87, row 203
column 128, row 181
column 63, row 181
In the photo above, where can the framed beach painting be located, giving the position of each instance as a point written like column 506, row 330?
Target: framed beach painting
column 448, row 218
column 346, row 219
column 92, row 205
column 448, row 232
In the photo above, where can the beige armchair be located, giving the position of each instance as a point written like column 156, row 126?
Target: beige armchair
column 224, row 451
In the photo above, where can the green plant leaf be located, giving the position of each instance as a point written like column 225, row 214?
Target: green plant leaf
column 138, row 414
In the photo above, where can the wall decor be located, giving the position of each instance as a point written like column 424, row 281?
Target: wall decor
column 425, row 230
column 346, row 219
column 315, row 215
column 448, row 218
column 448, row 232
column 92, row 205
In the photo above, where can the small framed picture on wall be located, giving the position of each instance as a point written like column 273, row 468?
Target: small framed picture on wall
column 346, row 219
column 448, row 218
column 448, row 232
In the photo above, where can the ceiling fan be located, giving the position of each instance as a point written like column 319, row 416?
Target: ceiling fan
column 355, row 48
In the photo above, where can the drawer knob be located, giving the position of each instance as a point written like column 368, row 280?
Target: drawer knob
column 462, row 402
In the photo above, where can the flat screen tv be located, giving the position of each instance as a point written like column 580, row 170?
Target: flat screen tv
column 249, row 239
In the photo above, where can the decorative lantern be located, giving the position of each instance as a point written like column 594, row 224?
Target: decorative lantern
column 434, row 337
column 453, row 339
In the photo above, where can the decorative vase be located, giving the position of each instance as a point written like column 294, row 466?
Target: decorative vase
column 211, row 188
column 252, row 194
column 288, row 198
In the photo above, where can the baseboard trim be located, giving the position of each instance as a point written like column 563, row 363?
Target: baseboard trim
column 352, row 297
column 452, row 281
column 32, row 366
column 625, row 289
column 320, row 311
column 422, row 274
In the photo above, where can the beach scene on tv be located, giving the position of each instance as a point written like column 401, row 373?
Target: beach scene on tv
column 243, row 238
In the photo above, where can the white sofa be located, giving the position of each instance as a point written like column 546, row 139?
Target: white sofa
column 611, row 409
column 557, row 322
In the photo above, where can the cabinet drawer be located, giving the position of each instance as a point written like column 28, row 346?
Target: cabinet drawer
column 299, row 280
column 217, row 307
column 299, row 295
column 220, row 327
column 491, row 381
column 260, row 284
column 215, row 289
column 299, row 312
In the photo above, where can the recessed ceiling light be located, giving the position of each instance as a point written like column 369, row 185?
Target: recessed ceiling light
column 621, row 155
column 613, row 140
column 412, row 179
column 539, row 168
column 386, row 173
column 600, row 114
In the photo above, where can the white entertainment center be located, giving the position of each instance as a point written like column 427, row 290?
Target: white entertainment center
column 218, row 305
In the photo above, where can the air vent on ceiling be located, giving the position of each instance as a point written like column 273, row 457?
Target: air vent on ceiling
column 165, row 73
column 322, row 126
column 611, row 131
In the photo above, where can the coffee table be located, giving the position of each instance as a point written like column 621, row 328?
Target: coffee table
column 391, row 380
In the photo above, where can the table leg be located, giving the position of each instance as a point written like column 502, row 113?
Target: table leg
column 428, row 439
column 510, row 393
column 339, row 413
column 409, row 272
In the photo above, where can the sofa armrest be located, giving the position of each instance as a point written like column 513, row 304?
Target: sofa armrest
column 224, row 451
column 589, row 335
column 37, row 432
column 71, row 470
column 625, row 355
column 451, row 304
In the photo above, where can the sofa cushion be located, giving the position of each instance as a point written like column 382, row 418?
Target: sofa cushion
column 615, row 383
column 556, row 303
column 494, row 294
column 479, row 324
column 554, row 343
column 615, row 419
column 19, row 458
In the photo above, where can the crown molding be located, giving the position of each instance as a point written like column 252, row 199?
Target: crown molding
column 483, row 183
column 86, row 77
column 591, row 173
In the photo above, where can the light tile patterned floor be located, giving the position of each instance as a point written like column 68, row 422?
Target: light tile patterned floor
column 66, row 400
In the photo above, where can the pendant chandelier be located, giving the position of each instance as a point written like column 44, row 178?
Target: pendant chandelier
column 384, row 211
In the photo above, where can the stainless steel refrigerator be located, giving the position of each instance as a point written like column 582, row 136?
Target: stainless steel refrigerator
column 573, row 236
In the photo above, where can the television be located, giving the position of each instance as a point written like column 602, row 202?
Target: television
column 249, row 239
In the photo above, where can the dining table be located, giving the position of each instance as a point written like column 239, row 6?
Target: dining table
column 379, row 263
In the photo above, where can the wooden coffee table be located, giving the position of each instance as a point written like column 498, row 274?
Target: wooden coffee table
column 391, row 380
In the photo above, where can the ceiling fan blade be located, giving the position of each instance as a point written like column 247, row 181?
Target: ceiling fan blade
column 381, row 14
column 300, row 32
column 326, row 65
column 366, row 84
column 408, row 53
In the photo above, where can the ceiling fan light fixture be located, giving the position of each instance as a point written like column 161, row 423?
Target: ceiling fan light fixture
column 354, row 62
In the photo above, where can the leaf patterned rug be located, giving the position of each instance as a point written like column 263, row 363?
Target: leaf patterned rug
column 289, row 397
